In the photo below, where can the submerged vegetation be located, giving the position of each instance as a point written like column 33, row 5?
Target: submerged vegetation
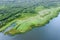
column 25, row 18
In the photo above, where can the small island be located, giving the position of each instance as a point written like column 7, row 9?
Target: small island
column 25, row 19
